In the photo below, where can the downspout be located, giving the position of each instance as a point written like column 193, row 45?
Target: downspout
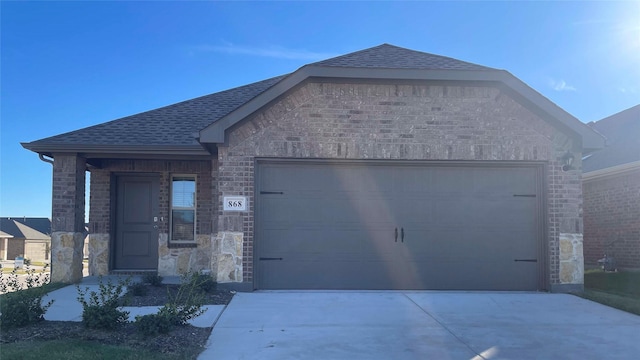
column 41, row 156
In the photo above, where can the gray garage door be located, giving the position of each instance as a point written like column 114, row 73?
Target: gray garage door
column 359, row 225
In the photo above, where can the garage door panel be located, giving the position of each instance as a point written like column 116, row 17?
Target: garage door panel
column 275, row 209
column 451, row 180
column 334, row 274
column 375, row 211
column 504, row 212
column 314, row 243
column 362, row 179
column 506, row 181
column 410, row 181
column 416, row 212
column 470, row 242
column 452, row 210
column 343, row 229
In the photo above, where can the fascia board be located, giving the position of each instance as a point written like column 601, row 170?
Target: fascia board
column 215, row 133
column 591, row 140
column 48, row 149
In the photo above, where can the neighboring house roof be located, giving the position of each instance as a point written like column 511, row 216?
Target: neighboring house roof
column 26, row 228
column 4, row 235
column 195, row 127
column 622, row 131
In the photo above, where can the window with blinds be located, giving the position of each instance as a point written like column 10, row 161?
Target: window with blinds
column 183, row 208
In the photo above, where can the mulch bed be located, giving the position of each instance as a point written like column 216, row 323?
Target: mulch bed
column 176, row 341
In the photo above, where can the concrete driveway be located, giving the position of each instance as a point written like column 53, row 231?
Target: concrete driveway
column 421, row 325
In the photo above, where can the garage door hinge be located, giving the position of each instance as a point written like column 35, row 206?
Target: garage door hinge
column 271, row 192
column 524, row 195
column 266, row 258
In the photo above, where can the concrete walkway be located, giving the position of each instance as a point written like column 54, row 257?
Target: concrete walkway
column 66, row 306
column 421, row 325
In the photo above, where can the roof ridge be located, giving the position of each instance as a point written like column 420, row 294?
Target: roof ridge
column 380, row 56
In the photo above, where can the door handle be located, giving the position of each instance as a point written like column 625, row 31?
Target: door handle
column 402, row 235
column 396, row 235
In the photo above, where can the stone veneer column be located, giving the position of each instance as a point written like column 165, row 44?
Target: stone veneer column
column 226, row 257
column 67, row 225
column 571, row 259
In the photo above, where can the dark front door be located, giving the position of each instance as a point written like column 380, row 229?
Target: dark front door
column 136, row 242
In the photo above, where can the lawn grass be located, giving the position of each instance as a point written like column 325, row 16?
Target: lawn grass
column 39, row 263
column 79, row 350
column 6, row 270
column 625, row 283
column 620, row 290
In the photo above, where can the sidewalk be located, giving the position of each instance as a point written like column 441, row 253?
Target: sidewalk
column 66, row 306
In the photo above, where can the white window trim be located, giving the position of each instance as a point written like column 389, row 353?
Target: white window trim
column 194, row 208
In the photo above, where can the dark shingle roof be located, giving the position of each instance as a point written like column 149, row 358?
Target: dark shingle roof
column 393, row 57
column 170, row 125
column 26, row 228
column 174, row 128
column 622, row 131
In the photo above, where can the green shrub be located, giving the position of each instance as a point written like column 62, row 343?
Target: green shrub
column 22, row 308
column 100, row 310
column 153, row 324
column 22, row 303
column 183, row 305
column 102, row 317
column 202, row 282
column 152, row 279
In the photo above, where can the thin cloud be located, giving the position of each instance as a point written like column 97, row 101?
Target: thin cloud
column 630, row 90
column 272, row 52
column 561, row 85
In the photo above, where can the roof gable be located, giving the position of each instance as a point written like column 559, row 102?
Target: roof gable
column 388, row 62
column 192, row 127
column 622, row 131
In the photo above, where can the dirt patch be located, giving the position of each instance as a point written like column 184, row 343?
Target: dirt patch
column 180, row 338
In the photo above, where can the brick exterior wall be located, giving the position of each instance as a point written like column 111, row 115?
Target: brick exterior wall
column 612, row 216
column 405, row 122
column 67, row 206
column 100, row 198
column 173, row 259
column 67, row 218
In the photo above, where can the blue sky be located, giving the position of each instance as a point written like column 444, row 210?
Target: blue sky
column 68, row 65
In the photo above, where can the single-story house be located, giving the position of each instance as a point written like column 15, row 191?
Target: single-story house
column 611, row 188
column 386, row 168
column 26, row 237
column 4, row 243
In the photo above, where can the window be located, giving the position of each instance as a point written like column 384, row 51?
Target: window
column 183, row 208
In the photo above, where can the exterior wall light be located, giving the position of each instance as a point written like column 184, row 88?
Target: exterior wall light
column 567, row 160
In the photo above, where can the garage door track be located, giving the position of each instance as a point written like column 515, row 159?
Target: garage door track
column 421, row 325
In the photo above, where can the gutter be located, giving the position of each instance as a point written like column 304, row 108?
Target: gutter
column 41, row 156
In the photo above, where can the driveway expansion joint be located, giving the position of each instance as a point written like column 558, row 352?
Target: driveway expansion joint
column 478, row 355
